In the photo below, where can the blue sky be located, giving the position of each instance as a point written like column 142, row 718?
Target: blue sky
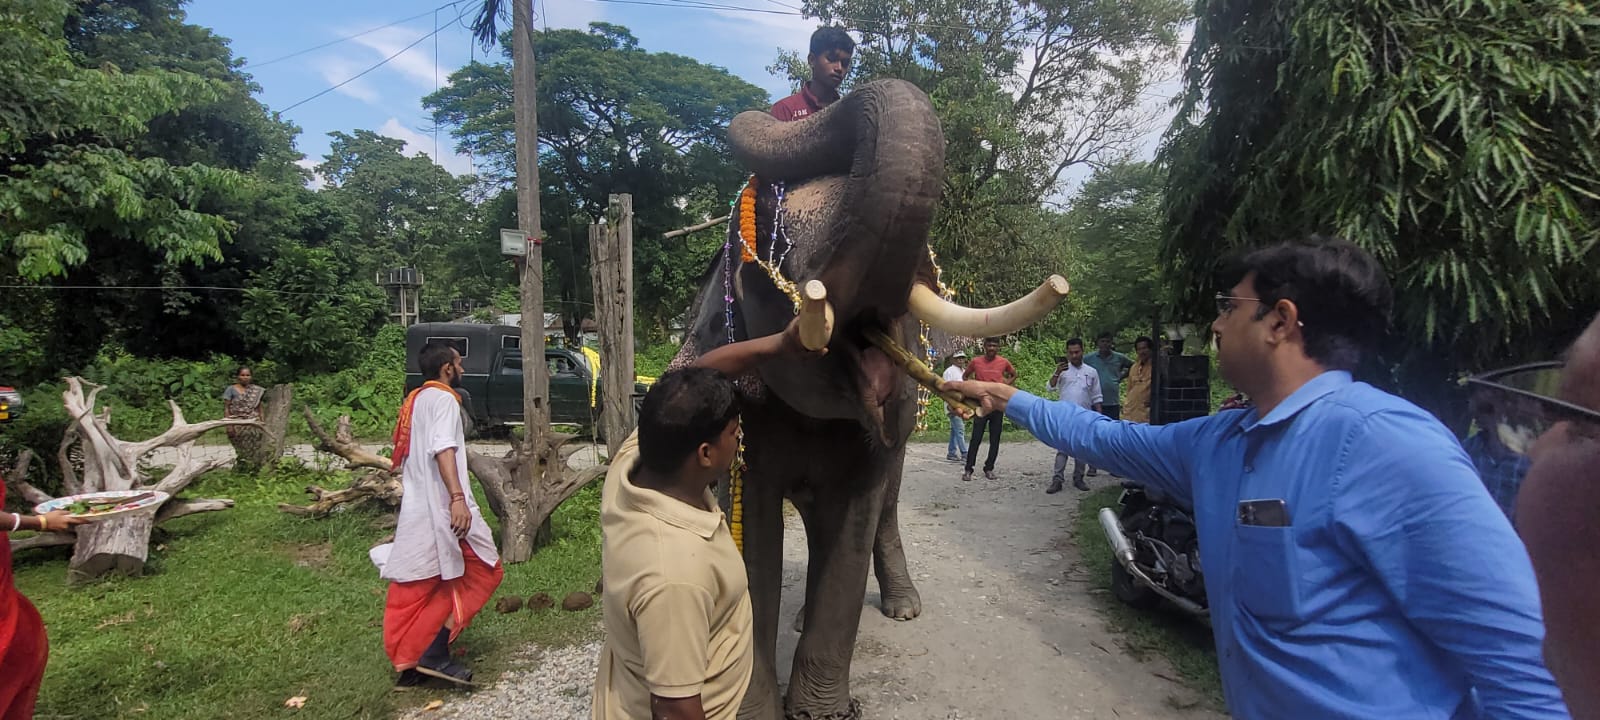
column 388, row 99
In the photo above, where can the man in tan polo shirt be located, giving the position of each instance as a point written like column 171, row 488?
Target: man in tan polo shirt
column 675, row 599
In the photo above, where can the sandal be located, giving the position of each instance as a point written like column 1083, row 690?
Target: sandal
column 452, row 671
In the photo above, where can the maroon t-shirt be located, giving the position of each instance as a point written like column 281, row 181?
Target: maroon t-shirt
column 798, row 105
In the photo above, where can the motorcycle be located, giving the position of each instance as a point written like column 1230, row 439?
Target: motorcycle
column 1156, row 551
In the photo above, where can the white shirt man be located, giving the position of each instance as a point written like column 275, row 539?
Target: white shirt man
column 1074, row 382
column 956, row 449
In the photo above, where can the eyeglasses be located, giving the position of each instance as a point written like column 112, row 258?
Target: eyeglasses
column 1226, row 303
column 1521, row 406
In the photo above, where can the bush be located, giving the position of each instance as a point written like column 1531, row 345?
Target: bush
column 137, row 391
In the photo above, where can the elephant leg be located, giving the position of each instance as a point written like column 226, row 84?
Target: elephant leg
column 763, row 562
column 841, row 529
column 900, row 599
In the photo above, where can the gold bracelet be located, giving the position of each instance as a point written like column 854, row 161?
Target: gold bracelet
column 43, row 524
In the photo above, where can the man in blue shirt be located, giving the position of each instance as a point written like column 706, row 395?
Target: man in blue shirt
column 1500, row 469
column 1355, row 565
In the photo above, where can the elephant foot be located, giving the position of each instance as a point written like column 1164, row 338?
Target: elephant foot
column 800, row 620
column 851, row 713
column 902, row 603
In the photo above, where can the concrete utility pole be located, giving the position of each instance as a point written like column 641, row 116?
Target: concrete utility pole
column 611, row 265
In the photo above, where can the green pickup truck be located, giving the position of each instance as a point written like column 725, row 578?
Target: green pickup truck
column 492, row 358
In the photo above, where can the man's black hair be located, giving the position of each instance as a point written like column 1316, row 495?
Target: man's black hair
column 1074, row 341
column 994, row 340
column 1342, row 293
column 1144, row 339
column 433, row 357
column 829, row 37
column 1103, row 336
column 684, row 409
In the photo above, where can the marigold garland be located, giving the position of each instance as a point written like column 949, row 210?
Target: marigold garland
column 747, row 221
column 736, row 493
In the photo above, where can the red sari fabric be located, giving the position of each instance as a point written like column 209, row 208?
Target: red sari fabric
column 22, row 643
column 415, row 611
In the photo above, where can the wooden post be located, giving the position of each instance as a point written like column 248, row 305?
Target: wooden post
column 611, row 264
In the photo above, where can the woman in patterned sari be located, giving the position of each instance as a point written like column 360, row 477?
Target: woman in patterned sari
column 242, row 400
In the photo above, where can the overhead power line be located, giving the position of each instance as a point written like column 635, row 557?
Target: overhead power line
column 348, row 38
column 380, row 64
column 171, row 288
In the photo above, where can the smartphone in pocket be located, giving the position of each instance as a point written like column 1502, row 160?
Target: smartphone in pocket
column 1264, row 513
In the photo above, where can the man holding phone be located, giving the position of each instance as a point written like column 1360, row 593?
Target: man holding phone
column 1355, row 565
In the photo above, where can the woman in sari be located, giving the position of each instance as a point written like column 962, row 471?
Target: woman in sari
column 242, row 401
column 23, row 648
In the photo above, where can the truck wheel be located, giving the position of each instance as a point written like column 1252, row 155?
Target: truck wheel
column 1129, row 591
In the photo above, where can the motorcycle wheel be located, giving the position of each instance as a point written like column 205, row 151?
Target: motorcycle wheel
column 1129, row 591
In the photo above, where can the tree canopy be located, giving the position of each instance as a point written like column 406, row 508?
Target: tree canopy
column 1456, row 140
column 613, row 118
column 1025, row 92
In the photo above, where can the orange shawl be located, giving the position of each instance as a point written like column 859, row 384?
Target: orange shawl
column 402, row 428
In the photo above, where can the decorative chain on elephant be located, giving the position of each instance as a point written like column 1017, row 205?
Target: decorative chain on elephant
column 834, row 226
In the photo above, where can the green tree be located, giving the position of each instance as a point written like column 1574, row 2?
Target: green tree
column 613, row 118
column 1457, row 141
column 1115, row 227
column 72, row 174
column 313, row 318
column 1025, row 91
column 137, row 158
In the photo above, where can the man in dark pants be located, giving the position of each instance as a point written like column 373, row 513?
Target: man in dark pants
column 988, row 367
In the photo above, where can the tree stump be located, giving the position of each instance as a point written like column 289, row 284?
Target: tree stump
column 120, row 544
column 256, row 449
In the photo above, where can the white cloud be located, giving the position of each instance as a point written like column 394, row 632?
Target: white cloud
column 420, row 144
column 336, row 70
column 316, row 182
column 415, row 64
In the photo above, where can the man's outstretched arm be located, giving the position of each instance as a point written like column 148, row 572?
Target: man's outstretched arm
column 1150, row 454
column 735, row 359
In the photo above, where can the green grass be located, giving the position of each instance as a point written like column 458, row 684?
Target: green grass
column 243, row 609
column 1184, row 641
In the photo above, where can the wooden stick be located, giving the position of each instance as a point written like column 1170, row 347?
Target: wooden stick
column 914, row 367
column 680, row 232
column 816, row 316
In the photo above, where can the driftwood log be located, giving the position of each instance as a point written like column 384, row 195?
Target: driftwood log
column 120, row 544
column 376, row 483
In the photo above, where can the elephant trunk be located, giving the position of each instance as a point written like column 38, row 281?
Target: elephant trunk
column 883, row 140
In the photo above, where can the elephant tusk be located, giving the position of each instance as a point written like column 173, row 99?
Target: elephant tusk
column 816, row 316
column 987, row 322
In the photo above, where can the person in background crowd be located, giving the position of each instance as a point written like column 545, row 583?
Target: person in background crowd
column 1076, row 383
column 1556, row 515
column 989, row 367
column 1136, row 401
column 23, row 646
column 1113, row 367
column 957, row 449
column 832, row 49
column 1500, row 469
column 1354, row 564
column 443, row 566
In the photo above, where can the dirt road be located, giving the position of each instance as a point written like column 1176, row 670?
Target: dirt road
column 1008, row 630
column 1008, row 626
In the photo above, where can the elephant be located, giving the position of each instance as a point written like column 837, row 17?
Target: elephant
column 859, row 182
